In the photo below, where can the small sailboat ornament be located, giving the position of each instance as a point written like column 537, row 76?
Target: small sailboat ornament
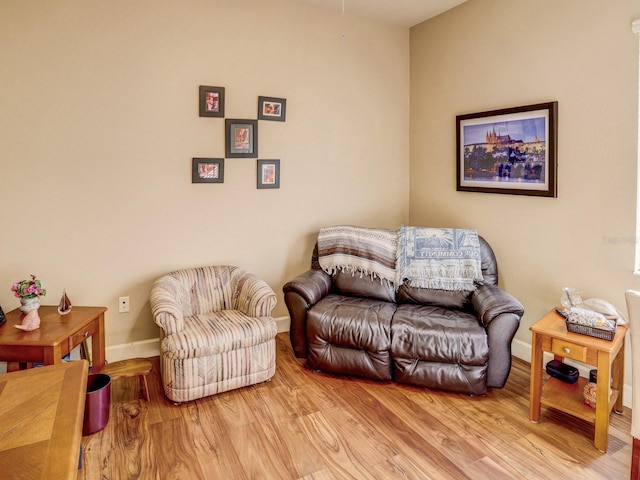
column 64, row 306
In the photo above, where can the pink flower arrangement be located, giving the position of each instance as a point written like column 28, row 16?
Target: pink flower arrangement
column 28, row 288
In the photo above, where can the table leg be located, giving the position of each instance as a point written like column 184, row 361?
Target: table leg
column 635, row 459
column 52, row 355
column 618, row 378
column 97, row 346
column 603, row 407
column 535, row 390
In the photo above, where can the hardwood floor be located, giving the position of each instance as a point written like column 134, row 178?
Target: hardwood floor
column 313, row 426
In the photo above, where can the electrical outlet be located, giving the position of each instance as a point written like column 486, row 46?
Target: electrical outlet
column 123, row 304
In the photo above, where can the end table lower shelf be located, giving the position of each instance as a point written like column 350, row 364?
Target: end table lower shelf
column 568, row 398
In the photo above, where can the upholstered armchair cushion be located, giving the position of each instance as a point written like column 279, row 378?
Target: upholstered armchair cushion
column 166, row 304
column 217, row 332
column 633, row 309
column 254, row 297
column 193, row 291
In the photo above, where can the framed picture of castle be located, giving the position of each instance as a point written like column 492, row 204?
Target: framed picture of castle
column 511, row 151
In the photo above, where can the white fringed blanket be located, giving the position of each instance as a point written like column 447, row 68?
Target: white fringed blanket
column 358, row 250
column 438, row 258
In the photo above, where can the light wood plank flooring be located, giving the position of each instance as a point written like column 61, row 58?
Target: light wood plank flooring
column 314, row 426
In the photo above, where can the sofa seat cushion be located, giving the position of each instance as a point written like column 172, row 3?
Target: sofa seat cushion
column 351, row 335
column 218, row 332
column 439, row 348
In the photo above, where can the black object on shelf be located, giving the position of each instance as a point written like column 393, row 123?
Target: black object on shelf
column 562, row 371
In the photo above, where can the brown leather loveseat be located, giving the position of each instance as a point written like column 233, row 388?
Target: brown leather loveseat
column 353, row 324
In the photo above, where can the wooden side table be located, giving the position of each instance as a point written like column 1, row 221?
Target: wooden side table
column 57, row 336
column 550, row 335
column 41, row 422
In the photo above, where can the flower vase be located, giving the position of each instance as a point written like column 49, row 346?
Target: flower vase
column 28, row 304
column 31, row 319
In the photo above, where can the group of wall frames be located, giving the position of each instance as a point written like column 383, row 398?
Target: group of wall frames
column 241, row 138
column 211, row 170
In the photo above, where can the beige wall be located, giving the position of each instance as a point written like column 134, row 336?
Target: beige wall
column 491, row 54
column 99, row 123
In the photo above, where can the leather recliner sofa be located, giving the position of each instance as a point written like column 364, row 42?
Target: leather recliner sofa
column 451, row 340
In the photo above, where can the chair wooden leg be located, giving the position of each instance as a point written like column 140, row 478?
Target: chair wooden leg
column 635, row 459
column 145, row 387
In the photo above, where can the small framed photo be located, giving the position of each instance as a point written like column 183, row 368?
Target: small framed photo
column 241, row 138
column 511, row 151
column 271, row 108
column 268, row 173
column 211, row 101
column 207, row 170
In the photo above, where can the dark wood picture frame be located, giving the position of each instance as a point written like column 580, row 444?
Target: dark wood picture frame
column 241, row 138
column 272, row 108
column 512, row 151
column 268, row 173
column 211, row 101
column 207, row 170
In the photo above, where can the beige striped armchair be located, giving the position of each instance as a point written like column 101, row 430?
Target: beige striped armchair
column 216, row 330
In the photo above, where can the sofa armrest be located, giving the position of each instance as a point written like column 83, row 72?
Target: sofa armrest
column 166, row 308
column 255, row 297
column 490, row 301
column 500, row 313
column 312, row 286
column 300, row 294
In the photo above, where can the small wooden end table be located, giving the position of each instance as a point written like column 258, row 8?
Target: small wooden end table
column 550, row 335
column 56, row 337
column 41, row 422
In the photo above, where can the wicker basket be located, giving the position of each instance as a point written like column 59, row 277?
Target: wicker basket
column 591, row 331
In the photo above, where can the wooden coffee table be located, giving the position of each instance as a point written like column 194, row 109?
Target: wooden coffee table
column 41, row 421
column 56, row 337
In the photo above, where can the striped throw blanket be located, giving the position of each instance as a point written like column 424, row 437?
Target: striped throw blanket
column 358, row 250
column 438, row 258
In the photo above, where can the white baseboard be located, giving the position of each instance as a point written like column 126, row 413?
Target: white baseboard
column 142, row 349
column 284, row 324
column 522, row 350
column 151, row 347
